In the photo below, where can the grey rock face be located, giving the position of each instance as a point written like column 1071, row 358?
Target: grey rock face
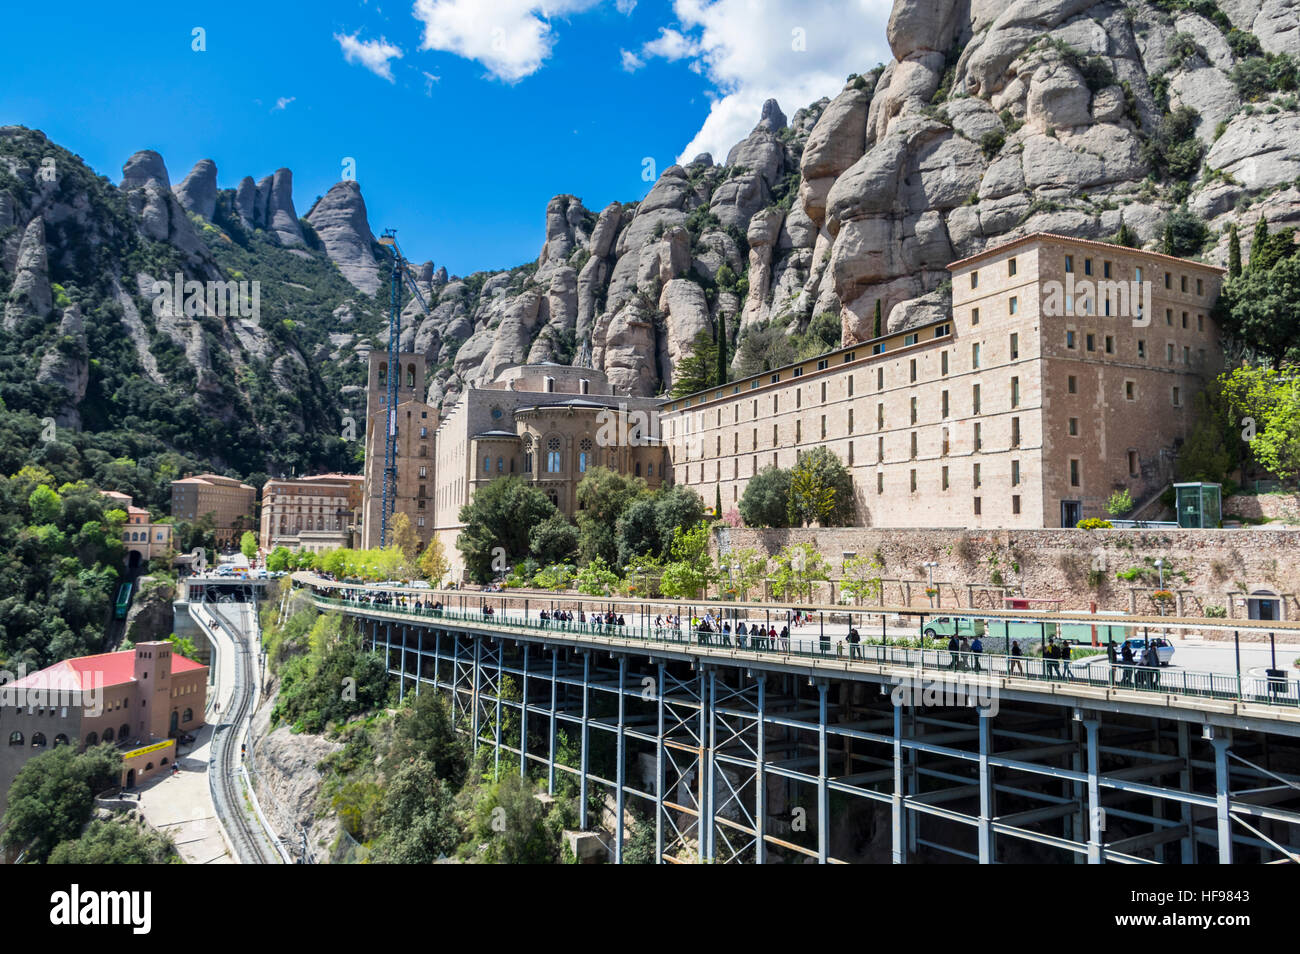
column 198, row 191
column 339, row 218
column 30, row 294
column 281, row 217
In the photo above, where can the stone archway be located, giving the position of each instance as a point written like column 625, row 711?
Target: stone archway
column 1264, row 604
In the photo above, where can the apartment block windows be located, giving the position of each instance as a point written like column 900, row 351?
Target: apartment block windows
column 1090, row 342
column 1133, row 469
column 1069, row 339
column 1169, row 353
column 880, row 379
column 850, row 385
column 943, row 363
column 1130, row 391
column 1015, row 346
column 978, row 440
column 1142, row 349
column 1015, row 432
column 975, row 279
column 1072, row 384
column 1074, row 472
column 944, row 445
column 880, row 482
column 1013, row 306
column 850, row 420
column 823, row 392
column 1015, row 392
column 974, row 316
column 1073, row 427
column 1200, row 288
column 880, row 449
column 1069, row 263
column 1087, row 266
column 913, row 480
column 975, row 475
column 823, row 427
column 914, row 445
column 1110, row 344
column 1177, row 397
column 912, row 373
column 1015, row 503
column 1011, row 268
column 943, row 478
column 975, row 398
column 977, row 506
column 913, row 410
column 975, row 355
column 1015, row 473
column 880, row 417
column 943, row 404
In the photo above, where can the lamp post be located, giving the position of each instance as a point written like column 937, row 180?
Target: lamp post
column 1160, row 568
column 929, row 566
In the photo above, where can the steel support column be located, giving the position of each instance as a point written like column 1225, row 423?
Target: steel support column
column 986, row 787
column 760, row 776
column 619, row 771
column 899, row 848
column 823, row 770
column 1222, row 791
column 1096, row 818
column 583, row 760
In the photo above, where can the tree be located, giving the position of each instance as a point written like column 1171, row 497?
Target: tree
column 696, row 371
column 765, row 502
column 717, row 502
column 798, row 567
column 248, row 544
column 596, row 578
column 402, row 536
column 554, row 540
column 1261, row 308
column 1258, row 242
column 1214, row 444
column 418, row 822
column 433, row 565
column 603, row 495
column 1234, row 251
column 1269, row 401
column 114, row 843
column 690, row 569
column 1119, row 503
column 426, row 731
column 497, row 523
column 52, row 796
column 277, row 561
column 1184, row 233
column 44, row 505
column 860, row 580
column 748, row 570
column 877, row 325
column 821, row 490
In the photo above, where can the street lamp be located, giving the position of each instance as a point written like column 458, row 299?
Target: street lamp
column 1160, row 568
column 929, row 566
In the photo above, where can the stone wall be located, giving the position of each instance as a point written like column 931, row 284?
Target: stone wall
column 1283, row 508
column 1054, row 563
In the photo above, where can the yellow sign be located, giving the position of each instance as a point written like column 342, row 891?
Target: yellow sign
column 157, row 746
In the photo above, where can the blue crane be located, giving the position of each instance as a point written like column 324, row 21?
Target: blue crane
column 400, row 276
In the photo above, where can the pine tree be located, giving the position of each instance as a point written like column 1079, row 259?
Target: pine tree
column 1259, row 242
column 722, row 347
column 1234, row 252
column 877, row 329
column 717, row 503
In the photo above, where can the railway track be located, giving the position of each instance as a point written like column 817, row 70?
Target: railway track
column 245, row 832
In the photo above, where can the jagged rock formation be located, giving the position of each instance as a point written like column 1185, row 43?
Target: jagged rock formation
column 339, row 218
column 198, row 191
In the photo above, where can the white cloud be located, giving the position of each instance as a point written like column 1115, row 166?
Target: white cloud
column 374, row 55
column 750, row 51
column 283, row 103
column 631, row 62
column 671, row 45
column 512, row 38
column 625, row 7
column 429, row 80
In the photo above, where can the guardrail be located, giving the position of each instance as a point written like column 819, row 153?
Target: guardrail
column 1164, row 681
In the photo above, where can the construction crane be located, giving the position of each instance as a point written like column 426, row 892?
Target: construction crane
column 400, row 276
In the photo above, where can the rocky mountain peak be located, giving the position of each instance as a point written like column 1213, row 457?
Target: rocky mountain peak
column 198, row 190
column 143, row 167
column 340, row 220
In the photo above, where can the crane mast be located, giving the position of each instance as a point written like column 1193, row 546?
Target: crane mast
column 400, row 276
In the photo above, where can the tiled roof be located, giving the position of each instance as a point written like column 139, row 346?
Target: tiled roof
column 79, row 674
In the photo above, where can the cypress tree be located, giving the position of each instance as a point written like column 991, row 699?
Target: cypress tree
column 876, row 331
column 717, row 502
column 1258, row 242
column 722, row 347
column 1234, row 252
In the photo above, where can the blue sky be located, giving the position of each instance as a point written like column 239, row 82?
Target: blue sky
column 463, row 116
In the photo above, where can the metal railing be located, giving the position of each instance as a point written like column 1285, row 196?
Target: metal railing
column 1279, row 691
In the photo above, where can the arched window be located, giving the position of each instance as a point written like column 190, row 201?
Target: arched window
column 60, row 739
column 189, row 715
column 148, row 767
column 93, row 739
column 108, row 734
column 584, row 454
column 124, row 733
column 383, row 374
column 15, row 738
column 487, row 465
column 38, row 740
column 528, row 453
column 501, row 465
column 553, row 456
column 410, row 375
column 164, row 761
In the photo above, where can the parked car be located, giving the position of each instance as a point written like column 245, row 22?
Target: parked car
column 1164, row 648
column 420, row 585
column 259, row 574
